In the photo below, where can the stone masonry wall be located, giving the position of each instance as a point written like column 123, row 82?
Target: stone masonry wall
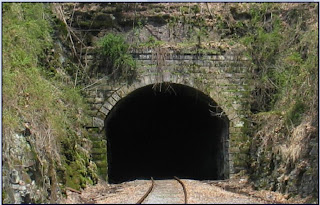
column 222, row 77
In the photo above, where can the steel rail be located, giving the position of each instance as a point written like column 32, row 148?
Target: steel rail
column 184, row 189
column 152, row 185
column 147, row 193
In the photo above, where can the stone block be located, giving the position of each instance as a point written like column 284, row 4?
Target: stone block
column 97, row 122
column 207, row 57
column 92, row 93
column 98, row 156
column 173, row 78
column 90, row 100
column 115, row 96
column 108, row 106
column 147, row 62
column 188, row 81
column 188, row 57
column 138, row 85
column 186, row 62
column 166, row 77
column 111, row 101
column 169, row 62
column 92, row 112
column 150, row 69
column 175, row 57
column 214, row 57
column 96, row 106
column 104, row 110
column 155, row 78
column 144, row 57
column 101, row 115
column 14, row 177
column 99, row 150
column 196, row 62
column 178, row 79
column 230, row 57
column 123, row 91
column 98, row 100
column 220, row 58
column 146, row 79
column 208, row 63
column 176, row 63
column 103, row 88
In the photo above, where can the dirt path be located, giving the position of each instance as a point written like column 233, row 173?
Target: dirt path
column 170, row 191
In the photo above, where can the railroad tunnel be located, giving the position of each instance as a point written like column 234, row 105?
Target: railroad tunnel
column 165, row 130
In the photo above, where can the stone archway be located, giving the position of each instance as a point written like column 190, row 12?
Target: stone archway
column 224, row 88
column 167, row 129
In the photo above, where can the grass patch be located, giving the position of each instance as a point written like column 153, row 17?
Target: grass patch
column 54, row 109
column 116, row 61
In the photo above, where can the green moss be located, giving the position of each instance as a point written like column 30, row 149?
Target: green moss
column 151, row 43
column 102, row 150
column 99, row 144
column 80, row 172
column 99, row 156
column 4, row 196
column 205, row 51
column 102, row 163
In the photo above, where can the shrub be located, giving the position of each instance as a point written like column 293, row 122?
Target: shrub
column 115, row 60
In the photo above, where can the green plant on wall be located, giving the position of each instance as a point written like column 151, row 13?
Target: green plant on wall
column 152, row 43
column 115, row 60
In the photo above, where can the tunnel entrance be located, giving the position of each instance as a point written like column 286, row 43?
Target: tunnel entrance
column 165, row 130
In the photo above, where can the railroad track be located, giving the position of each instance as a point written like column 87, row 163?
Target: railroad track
column 153, row 184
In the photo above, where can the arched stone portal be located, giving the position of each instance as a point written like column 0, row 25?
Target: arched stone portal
column 223, row 78
column 164, row 130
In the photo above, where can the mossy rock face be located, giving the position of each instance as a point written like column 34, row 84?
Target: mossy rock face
column 79, row 173
column 99, row 144
column 95, row 138
column 99, row 156
column 102, row 20
column 102, row 163
column 73, row 182
column 99, row 150
column 97, row 21
column 158, row 20
column 103, row 172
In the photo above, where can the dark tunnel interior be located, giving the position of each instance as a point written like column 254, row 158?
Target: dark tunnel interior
column 165, row 130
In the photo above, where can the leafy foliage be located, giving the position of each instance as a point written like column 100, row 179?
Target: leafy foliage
column 282, row 47
column 276, row 50
column 115, row 60
column 54, row 111
column 281, row 42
